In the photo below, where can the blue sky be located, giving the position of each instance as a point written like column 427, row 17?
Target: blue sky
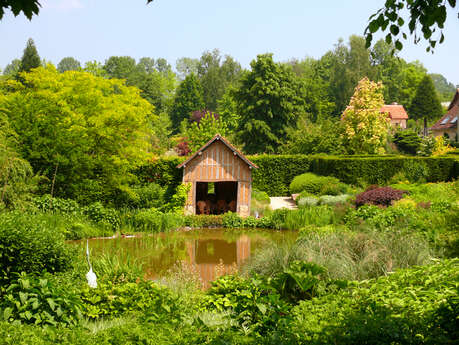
column 98, row 29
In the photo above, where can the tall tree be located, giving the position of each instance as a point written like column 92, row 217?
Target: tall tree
column 12, row 68
column 186, row 66
column 68, row 64
column 365, row 128
column 425, row 103
column 30, row 58
column 188, row 98
column 92, row 131
column 120, row 67
column 269, row 99
column 444, row 88
column 216, row 76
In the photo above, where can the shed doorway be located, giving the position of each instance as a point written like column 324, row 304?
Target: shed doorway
column 216, row 197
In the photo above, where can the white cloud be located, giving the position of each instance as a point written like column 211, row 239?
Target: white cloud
column 63, row 5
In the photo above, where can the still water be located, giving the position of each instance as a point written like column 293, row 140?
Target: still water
column 209, row 252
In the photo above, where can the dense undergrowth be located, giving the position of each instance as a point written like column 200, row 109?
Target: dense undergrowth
column 356, row 275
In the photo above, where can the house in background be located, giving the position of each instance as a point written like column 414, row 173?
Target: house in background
column 397, row 115
column 447, row 125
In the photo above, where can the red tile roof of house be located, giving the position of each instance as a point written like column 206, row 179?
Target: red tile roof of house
column 449, row 120
column 395, row 111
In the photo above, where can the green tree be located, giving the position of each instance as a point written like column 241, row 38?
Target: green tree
column 425, row 103
column 186, row 66
column 12, row 68
column 365, row 128
column 268, row 100
column 16, row 176
column 68, row 64
column 216, row 76
column 30, row 58
column 197, row 134
column 188, row 98
column 444, row 88
column 120, row 67
column 95, row 68
column 87, row 133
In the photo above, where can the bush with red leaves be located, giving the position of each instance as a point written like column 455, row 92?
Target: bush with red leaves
column 182, row 148
column 379, row 196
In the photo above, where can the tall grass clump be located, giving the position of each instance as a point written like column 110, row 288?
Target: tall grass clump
column 319, row 216
column 346, row 255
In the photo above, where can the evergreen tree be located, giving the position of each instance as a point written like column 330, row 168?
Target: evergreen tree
column 30, row 58
column 268, row 100
column 426, row 103
column 187, row 99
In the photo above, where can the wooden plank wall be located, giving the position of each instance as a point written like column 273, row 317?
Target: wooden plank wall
column 217, row 163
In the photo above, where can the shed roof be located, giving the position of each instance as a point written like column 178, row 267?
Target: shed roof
column 395, row 111
column 224, row 141
column 449, row 120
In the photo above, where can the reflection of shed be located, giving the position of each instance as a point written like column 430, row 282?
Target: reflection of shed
column 221, row 179
column 216, row 257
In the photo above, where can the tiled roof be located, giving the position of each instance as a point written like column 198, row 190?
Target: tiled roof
column 395, row 111
column 449, row 120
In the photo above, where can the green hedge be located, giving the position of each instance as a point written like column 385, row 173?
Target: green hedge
column 276, row 172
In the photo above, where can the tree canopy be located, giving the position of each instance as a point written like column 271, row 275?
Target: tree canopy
column 268, row 99
column 90, row 130
column 425, row 103
column 425, row 18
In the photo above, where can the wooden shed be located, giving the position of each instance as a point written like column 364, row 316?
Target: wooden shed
column 221, row 179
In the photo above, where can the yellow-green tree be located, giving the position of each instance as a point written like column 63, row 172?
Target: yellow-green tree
column 85, row 133
column 365, row 128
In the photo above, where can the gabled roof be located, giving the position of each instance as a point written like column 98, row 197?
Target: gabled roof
column 224, row 141
column 449, row 120
column 395, row 111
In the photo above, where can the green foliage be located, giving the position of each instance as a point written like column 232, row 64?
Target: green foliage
column 256, row 304
column 392, row 309
column 29, row 244
column 317, row 185
column 179, row 199
column 425, row 103
column 30, row 58
column 74, row 144
column 112, row 300
column 268, row 99
column 68, row 64
column 198, row 134
column 424, row 17
column 151, row 221
column 313, row 138
column 407, row 141
column 445, row 89
column 100, row 214
column 188, row 98
column 39, row 301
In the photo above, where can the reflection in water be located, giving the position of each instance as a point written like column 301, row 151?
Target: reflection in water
column 211, row 253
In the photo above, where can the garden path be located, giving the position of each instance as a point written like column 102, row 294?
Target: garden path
column 282, row 202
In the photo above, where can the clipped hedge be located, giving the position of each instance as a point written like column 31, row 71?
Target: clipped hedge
column 276, row 172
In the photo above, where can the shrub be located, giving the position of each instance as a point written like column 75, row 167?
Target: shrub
column 100, row 214
column 231, row 220
column 407, row 141
column 30, row 244
column 109, row 300
column 383, row 196
column 39, row 301
column 46, row 203
column 315, row 184
column 261, row 197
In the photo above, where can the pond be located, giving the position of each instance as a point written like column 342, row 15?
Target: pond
column 208, row 252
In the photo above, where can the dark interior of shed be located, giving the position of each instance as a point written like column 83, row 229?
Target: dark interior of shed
column 216, row 197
